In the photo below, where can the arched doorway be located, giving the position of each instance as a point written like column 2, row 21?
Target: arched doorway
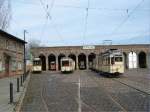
column 91, row 57
column 142, row 60
column 7, row 60
column 82, row 61
column 52, row 62
column 125, row 60
column 132, row 60
column 72, row 56
column 43, row 60
column 59, row 60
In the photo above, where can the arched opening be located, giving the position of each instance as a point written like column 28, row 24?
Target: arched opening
column 82, row 61
column 72, row 56
column 125, row 60
column 142, row 60
column 59, row 60
column 91, row 57
column 43, row 60
column 52, row 62
column 132, row 60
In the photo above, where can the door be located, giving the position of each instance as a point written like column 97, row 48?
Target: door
column 7, row 67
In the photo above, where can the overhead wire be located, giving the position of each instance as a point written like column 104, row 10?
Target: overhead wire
column 90, row 8
column 128, row 11
column 50, row 18
column 86, row 22
column 127, row 17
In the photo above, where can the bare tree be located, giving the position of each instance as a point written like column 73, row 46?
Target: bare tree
column 5, row 13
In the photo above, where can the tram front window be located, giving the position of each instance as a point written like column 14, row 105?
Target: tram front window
column 65, row 63
column 36, row 63
column 118, row 59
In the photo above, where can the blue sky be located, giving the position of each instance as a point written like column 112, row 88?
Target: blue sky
column 67, row 25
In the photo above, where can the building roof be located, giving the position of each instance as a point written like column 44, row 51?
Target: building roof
column 11, row 36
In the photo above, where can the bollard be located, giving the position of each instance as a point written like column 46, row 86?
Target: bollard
column 18, row 89
column 11, row 92
column 21, row 80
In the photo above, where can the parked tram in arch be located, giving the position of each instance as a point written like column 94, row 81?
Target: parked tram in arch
column 37, row 65
column 109, row 63
column 52, row 65
column 67, row 65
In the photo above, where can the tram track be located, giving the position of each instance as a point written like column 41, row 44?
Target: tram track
column 137, row 89
column 124, row 85
column 43, row 89
column 77, row 98
column 110, row 96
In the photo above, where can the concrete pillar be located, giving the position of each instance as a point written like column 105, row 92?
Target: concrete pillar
column 56, row 63
column 77, row 63
column 47, row 66
column 148, row 60
column 87, row 62
column 137, row 60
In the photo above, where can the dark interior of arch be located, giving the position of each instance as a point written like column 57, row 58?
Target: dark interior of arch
column 91, row 57
column 82, row 61
column 72, row 56
column 43, row 60
column 52, row 58
column 59, row 60
column 142, row 60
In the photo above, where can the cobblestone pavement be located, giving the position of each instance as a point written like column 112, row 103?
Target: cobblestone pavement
column 86, row 91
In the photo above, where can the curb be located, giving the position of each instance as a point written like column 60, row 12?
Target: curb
column 22, row 95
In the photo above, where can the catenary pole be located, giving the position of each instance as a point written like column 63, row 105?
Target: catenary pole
column 24, row 32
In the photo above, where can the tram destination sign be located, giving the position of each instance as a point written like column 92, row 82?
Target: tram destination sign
column 88, row 47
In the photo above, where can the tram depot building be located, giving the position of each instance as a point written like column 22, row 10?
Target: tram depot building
column 11, row 55
column 135, row 56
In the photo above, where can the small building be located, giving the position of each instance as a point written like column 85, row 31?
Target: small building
column 11, row 55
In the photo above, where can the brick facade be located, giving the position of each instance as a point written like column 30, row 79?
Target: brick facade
column 11, row 55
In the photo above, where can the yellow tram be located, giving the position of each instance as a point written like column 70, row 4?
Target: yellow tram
column 37, row 65
column 67, row 65
column 110, row 63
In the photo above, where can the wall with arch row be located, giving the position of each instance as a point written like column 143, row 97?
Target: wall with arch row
column 85, row 60
column 135, row 56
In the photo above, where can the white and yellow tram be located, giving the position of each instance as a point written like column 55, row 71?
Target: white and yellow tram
column 110, row 63
column 37, row 65
column 67, row 65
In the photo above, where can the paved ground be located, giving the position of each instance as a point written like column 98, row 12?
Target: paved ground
column 86, row 91
column 5, row 105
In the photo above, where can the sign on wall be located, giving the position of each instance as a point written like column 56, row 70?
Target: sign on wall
column 88, row 47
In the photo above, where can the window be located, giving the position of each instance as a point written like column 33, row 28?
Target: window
column 13, row 66
column 112, row 61
column 19, row 66
column 108, row 60
column 36, row 63
column 118, row 59
column 7, row 44
column 65, row 63
column 1, row 66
